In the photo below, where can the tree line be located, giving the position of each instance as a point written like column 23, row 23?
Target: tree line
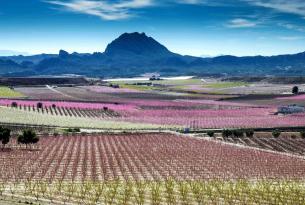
column 27, row 137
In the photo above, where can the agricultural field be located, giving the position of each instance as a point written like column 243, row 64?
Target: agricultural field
column 142, row 144
column 6, row 92
column 148, row 169
column 292, row 144
column 178, row 114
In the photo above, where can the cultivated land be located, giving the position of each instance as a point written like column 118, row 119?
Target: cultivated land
column 193, row 141
column 6, row 92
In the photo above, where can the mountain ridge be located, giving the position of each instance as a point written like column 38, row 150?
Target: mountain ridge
column 136, row 53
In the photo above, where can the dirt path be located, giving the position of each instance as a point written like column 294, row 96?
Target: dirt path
column 61, row 93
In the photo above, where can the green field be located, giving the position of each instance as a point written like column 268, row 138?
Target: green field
column 6, row 92
column 225, row 85
column 164, row 82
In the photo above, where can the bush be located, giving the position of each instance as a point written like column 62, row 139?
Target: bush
column 5, row 135
column 249, row 133
column 76, row 129
column 238, row 133
column 226, row 133
column 211, row 133
column 276, row 133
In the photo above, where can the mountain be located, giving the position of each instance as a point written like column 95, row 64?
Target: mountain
column 33, row 58
column 8, row 66
column 136, row 53
column 136, row 44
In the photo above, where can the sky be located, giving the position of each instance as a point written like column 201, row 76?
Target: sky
column 188, row 27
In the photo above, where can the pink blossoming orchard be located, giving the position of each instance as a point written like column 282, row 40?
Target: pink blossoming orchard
column 105, row 145
column 194, row 114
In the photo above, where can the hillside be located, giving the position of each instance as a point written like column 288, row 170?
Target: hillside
column 136, row 53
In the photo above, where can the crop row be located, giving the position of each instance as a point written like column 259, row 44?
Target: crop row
column 143, row 157
column 194, row 114
column 282, row 144
column 196, row 119
column 72, row 112
column 167, row 192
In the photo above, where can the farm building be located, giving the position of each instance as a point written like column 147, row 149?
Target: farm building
column 290, row 109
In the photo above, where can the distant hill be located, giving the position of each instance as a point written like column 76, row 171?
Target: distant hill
column 136, row 53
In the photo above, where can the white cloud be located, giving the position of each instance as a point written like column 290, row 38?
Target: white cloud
column 286, row 6
column 241, row 23
column 107, row 10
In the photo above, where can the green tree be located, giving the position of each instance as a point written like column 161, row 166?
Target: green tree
column 5, row 136
column 210, row 133
column 28, row 137
column 238, row 133
column 249, row 132
column 276, row 133
column 227, row 133
column 295, row 90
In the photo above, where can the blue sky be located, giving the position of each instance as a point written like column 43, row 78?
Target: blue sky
column 189, row 27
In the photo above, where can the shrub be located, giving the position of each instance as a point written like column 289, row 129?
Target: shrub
column 238, row 133
column 5, row 135
column 76, row 129
column 276, row 133
column 226, row 133
column 211, row 133
column 249, row 132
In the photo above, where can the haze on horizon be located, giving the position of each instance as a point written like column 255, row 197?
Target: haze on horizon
column 188, row 27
